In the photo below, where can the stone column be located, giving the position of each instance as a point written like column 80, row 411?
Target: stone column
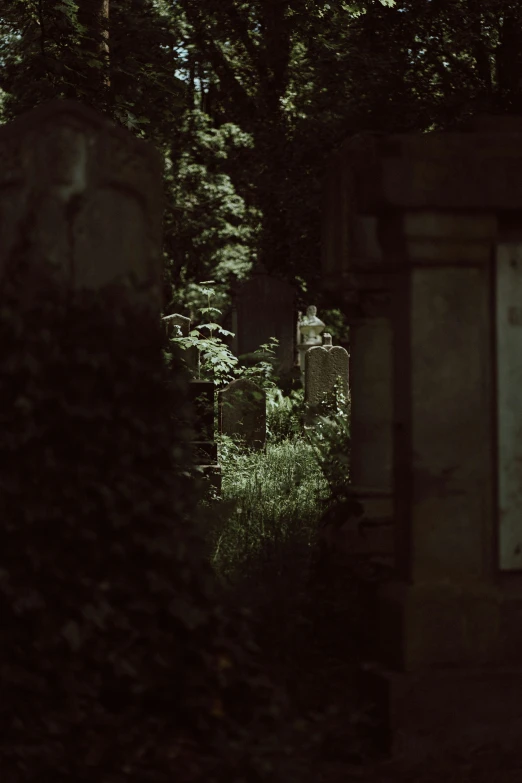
column 443, row 442
column 440, row 215
column 368, row 308
column 448, row 628
column 371, row 408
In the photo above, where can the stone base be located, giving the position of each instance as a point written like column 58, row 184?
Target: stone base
column 448, row 625
column 417, row 715
column 367, row 529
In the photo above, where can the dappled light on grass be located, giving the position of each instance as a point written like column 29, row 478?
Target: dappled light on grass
column 277, row 498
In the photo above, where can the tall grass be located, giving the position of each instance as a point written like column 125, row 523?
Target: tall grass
column 263, row 533
column 274, row 499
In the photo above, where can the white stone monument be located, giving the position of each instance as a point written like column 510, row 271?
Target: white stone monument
column 309, row 333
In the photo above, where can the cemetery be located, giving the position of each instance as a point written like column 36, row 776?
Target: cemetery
column 260, row 511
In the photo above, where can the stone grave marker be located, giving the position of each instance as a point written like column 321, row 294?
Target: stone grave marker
column 202, row 396
column 264, row 308
column 324, row 366
column 177, row 320
column 88, row 493
column 190, row 355
column 89, row 191
column 242, row 412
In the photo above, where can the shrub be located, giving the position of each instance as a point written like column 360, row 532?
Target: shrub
column 117, row 661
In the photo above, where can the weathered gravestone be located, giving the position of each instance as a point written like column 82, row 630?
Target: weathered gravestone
column 83, row 196
column 242, row 412
column 325, row 366
column 190, row 355
column 202, row 395
column 264, row 308
column 182, row 321
column 92, row 488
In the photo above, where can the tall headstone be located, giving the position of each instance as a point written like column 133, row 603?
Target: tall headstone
column 325, row 366
column 88, row 190
column 264, row 308
column 242, row 412
column 93, row 493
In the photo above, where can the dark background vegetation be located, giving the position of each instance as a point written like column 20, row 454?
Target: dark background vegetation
column 122, row 656
column 246, row 100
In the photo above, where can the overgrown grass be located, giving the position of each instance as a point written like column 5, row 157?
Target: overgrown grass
column 263, row 534
column 263, row 539
column 263, row 530
column 274, row 500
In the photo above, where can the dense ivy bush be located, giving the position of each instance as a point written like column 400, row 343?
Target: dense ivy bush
column 117, row 661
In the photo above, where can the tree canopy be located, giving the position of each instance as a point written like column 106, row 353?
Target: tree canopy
column 247, row 100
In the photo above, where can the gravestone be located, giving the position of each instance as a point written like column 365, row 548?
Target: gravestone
column 93, row 489
column 202, row 396
column 88, row 189
column 325, row 365
column 182, row 321
column 242, row 412
column 264, row 308
column 309, row 333
column 190, row 355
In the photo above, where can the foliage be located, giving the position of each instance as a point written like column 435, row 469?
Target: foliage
column 247, row 102
column 262, row 545
column 216, row 362
column 329, row 436
column 52, row 49
column 117, row 659
column 284, row 414
column 210, row 229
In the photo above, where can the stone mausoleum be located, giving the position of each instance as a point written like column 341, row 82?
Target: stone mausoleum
column 423, row 238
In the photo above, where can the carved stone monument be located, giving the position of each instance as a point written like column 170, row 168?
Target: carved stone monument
column 423, row 247
column 182, row 321
column 189, row 355
column 89, row 191
column 309, row 331
column 325, row 365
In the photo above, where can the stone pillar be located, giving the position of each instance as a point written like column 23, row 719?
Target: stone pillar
column 371, row 409
column 368, row 308
column 443, row 442
column 438, row 216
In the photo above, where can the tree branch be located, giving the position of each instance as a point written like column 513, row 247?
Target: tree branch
column 222, row 67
